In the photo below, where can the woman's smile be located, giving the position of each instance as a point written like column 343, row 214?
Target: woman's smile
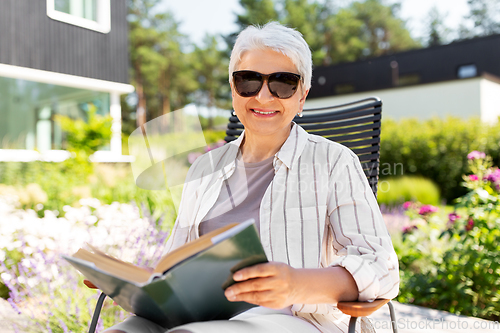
column 264, row 113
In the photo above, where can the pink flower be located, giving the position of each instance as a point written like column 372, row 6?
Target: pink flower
column 473, row 177
column 409, row 228
column 427, row 209
column 470, row 224
column 452, row 217
column 407, row 205
column 474, row 155
column 192, row 157
column 216, row 145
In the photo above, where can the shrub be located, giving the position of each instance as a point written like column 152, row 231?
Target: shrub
column 436, row 149
column 396, row 191
column 465, row 279
column 86, row 137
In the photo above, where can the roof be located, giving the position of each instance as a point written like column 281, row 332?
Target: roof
column 468, row 58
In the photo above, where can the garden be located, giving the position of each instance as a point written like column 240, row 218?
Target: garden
column 439, row 191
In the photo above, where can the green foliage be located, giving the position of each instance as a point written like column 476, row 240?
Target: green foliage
column 484, row 16
column 437, row 149
column 362, row 29
column 257, row 12
column 465, row 277
column 86, row 136
column 396, row 191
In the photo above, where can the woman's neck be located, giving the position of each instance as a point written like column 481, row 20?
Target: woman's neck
column 256, row 148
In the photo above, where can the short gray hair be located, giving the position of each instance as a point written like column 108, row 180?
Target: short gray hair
column 277, row 38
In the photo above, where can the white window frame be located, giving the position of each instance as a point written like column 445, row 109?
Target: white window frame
column 102, row 25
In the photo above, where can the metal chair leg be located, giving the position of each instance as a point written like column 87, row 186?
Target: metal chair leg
column 352, row 324
column 393, row 317
column 97, row 312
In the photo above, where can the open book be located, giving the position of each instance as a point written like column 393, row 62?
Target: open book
column 186, row 285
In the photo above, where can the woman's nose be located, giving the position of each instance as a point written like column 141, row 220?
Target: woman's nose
column 264, row 94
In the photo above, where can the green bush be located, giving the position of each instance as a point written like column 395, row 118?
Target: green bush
column 395, row 191
column 436, row 149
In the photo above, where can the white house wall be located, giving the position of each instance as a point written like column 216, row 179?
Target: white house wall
column 460, row 98
column 490, row 101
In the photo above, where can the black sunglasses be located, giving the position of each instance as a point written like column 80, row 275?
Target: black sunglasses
column 281, row 85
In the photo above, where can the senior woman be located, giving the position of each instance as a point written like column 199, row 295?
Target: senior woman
column 318, row 219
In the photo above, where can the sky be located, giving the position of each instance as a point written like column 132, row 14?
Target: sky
column 199, row 17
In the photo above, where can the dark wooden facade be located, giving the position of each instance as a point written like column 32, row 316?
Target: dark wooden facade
column 29, row 38
column 434, row 64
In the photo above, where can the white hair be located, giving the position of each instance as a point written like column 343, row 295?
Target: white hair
column 278, row 38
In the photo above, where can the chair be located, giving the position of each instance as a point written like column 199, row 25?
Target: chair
column 355, row 125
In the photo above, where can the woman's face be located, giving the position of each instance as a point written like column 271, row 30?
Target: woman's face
column 279, row 112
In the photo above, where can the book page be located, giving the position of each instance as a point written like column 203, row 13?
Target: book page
column 115, row 266
column 189, row 249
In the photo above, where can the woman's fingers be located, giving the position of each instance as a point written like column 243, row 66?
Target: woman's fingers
column 257, row 271
column 269, row 284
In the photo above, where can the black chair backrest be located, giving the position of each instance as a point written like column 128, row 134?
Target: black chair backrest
column 355, row 125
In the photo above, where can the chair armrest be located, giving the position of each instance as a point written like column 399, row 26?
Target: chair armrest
column 89, row 284
column 361, row 309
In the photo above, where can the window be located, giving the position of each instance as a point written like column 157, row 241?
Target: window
column 344, row 88
column 409, row 79
column 466, row 71
column 28, row 108
column 90, row 14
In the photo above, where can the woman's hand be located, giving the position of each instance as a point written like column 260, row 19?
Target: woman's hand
column 273, row 285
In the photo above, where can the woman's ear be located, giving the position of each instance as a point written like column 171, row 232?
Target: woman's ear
column 303, row 99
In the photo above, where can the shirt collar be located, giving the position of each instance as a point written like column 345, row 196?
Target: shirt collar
column 289, row 151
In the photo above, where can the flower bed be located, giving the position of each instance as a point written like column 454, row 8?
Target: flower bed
column 46, row 288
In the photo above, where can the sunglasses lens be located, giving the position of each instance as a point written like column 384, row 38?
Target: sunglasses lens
column 283, row 85
column 247, row 83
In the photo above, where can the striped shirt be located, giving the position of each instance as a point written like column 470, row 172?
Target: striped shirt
column 318, row 211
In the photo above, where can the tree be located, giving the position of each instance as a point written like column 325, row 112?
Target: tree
column 436, row 30
column 210, row 68
column 362, row 29
column 485, row 17
column 382, row 30
column 257, row 12
column 161, row 72
column 343, row 37
column 142, row 38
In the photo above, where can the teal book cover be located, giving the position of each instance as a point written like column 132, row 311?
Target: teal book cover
column 193, row 289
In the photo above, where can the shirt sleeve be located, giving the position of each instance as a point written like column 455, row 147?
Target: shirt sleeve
column 360, row 243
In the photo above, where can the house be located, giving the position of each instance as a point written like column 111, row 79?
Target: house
column 60, row 57
column 460, row 79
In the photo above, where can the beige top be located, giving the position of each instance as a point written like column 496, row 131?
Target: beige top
column 241, row 195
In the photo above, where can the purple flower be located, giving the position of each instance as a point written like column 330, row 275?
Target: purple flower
column 13, row 305
column 474, row 155
column 494, row 176
column 427, row 209
column 452, row 217
column 473, row 178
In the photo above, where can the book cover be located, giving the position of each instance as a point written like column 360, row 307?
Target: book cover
column 192, row 289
